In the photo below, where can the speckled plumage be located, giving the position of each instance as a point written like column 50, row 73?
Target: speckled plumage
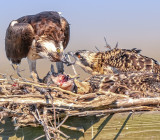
column 116, row 60
column 131, row 84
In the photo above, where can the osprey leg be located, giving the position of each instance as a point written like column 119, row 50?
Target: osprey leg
column 33, row 71
column 60, row 67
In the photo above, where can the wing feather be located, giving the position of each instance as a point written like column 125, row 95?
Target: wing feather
column 18, row 40
column 66, row 30
column 50, row 25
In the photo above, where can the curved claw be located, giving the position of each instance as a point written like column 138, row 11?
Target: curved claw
column 66, row 59
column 16, row 68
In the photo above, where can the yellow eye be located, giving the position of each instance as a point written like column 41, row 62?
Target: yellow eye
column 58, row 50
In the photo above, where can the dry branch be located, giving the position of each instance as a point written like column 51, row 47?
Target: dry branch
column 136, row 102
column 110, row 111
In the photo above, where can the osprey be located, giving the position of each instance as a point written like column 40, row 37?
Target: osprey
column 132, row 84
column 44, row 35
column 115, row 60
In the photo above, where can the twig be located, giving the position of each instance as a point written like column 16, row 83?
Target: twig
column 116, row 46
column 107, row 45
column 109, row 111
column 54, row 111
column 3, row 79
column 80, row 129
column 135, row 102
column 114, row 94
column 58, row 131
column 97, row 49
column 74, row 70
column 39, row 137
column 43, row 86
column 62, row 122
column 45, row 124
column 50, row 122
column 35, row 116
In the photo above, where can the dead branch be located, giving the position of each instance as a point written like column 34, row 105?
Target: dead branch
column 136, row 102
column 110, row 111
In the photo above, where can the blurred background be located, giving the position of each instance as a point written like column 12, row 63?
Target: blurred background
column 133, row 24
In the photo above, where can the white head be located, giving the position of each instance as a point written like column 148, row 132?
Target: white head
column 48, row 49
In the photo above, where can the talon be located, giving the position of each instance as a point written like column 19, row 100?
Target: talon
column 15, row 68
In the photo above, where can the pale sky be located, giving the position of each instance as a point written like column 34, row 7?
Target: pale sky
column 131, row 23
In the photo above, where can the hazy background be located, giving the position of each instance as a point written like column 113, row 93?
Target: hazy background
column 134, row 24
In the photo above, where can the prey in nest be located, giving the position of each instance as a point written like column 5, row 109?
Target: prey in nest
column 134, row 85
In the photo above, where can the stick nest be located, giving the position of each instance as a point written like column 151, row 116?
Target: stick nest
column 34, row 104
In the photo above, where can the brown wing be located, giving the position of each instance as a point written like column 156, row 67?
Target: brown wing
column 66, row 30
column 18, row 40
column 130, row 61
column 50, row 25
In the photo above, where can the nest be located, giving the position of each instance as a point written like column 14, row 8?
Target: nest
column 34, row 104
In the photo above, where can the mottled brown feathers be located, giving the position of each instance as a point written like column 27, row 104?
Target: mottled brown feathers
column 116, row 60
column 45, row 27
column 66, row 30
column 49, row 24
column 132, row 84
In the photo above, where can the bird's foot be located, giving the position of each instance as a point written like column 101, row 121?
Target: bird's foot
column 16, row 68
column 35, row 77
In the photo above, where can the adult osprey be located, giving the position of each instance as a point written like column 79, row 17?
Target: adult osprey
column 115, row 60
column 44, row 35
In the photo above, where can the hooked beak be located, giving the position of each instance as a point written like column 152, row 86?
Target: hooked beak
column 66, row 59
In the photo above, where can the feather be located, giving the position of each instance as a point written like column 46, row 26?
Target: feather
column 133, row 84
column 116, row 60
column 18, row 40
column 136, row 50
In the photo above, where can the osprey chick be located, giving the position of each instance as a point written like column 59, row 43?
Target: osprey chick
column 132, row 84
column 115, row 60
